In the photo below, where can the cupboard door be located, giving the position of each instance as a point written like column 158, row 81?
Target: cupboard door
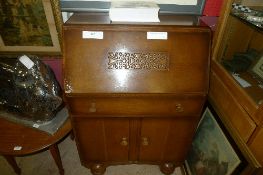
column 166, row 139
column 100, row 139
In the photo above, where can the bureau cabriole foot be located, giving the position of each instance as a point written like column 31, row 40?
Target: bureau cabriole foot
column 97, row 169
column 167, row 168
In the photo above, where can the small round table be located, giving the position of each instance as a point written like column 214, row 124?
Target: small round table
column 19, row 140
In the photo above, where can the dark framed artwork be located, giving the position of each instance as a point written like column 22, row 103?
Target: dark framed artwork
column 30, row 26
column 166, row 6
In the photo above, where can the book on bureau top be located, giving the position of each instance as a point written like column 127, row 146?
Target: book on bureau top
column 134, row 11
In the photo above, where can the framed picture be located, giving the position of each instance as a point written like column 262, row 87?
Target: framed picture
column 215, row 151
column 258, row 67
column 211, row 151
column 30, row 26
column 190, row 7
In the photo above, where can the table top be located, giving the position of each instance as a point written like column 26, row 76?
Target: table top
column 17, row 139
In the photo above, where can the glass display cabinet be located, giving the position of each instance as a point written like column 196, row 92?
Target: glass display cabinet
column 236, row 79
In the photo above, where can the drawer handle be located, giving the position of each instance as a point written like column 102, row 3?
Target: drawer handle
column 179, row 108
column 124, row 141
column 145, row 141
column 92, row 107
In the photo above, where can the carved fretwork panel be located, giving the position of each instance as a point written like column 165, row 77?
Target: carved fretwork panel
column 149, row 60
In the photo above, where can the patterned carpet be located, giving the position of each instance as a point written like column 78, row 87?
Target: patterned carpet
column 43, row 164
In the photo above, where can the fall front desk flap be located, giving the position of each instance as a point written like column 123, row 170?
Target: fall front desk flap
column 125, row 58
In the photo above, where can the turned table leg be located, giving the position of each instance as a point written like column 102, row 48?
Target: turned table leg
column 11, row 160
column 55, row 153
column 72, row 135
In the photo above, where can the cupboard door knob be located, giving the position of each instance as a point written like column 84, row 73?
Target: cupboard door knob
column 145, row 141
column 179, row 108
column 124, row 141
column 92, row 107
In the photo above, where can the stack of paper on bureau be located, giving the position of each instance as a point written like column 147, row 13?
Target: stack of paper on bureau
column 134, row 11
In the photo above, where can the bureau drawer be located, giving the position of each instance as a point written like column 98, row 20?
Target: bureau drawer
column 130, row 106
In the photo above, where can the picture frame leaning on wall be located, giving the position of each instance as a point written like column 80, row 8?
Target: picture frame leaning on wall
column 30, row 27
column 216, row 148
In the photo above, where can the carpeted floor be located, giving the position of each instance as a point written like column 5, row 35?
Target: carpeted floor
column 43, row 164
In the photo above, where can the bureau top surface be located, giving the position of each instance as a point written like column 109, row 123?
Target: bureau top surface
column 103, row 18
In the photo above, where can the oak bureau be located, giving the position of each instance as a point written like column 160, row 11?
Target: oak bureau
column 135, row 91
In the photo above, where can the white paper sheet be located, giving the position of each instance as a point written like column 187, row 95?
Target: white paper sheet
column 241, row 81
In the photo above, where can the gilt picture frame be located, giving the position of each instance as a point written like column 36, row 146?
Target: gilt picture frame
column 30, row 27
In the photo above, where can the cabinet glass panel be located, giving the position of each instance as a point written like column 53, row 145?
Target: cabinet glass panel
column 241, row 51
